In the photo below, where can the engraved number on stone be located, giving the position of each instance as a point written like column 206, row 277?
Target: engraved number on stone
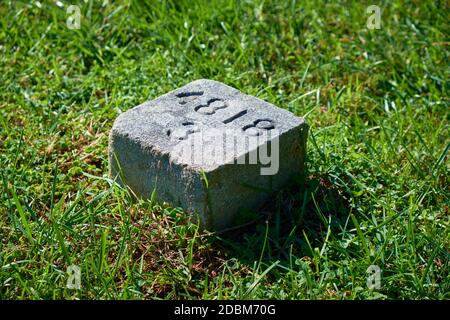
column 234, row 117
column 258, row 127
column 183, row 132
column 211, row 107
column 185, row 97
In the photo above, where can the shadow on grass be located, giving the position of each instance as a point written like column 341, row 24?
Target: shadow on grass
column 292, row 224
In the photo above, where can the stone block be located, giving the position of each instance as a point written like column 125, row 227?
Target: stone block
column 209, row 149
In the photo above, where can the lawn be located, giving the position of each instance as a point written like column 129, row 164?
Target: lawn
column 376, row 193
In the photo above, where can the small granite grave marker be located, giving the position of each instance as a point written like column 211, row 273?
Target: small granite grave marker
column 209, row 149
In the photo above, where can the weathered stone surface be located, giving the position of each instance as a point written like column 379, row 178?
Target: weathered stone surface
column 188, row 146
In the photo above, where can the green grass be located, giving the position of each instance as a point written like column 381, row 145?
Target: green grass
column 377, row 187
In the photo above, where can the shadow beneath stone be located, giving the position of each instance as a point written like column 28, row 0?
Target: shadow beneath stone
column 299, row 214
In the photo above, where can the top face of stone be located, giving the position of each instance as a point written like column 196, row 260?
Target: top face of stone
column 203, row 114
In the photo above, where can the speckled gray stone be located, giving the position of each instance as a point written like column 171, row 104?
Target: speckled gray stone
column 179, row 145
